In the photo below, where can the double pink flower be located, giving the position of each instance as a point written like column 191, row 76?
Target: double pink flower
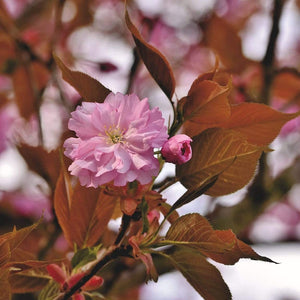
column 115, row 141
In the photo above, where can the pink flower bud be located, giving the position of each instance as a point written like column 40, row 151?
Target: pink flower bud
column 177, row 149
column 57, row 273
column 93, row 284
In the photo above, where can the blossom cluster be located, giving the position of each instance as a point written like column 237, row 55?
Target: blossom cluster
column 115, row 141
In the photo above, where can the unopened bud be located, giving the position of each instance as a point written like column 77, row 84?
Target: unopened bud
column 57, row 273
column 94, row 283
column 177, row 149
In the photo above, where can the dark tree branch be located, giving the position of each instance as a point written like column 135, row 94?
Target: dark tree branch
column 268, row 60
column 124, row 226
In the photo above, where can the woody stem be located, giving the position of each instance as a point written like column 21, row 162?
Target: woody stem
column 124, row 226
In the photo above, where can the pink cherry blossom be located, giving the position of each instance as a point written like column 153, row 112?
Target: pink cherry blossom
column 177, row 149
column 115, row 141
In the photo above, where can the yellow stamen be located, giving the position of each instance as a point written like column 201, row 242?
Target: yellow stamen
column 115, row 135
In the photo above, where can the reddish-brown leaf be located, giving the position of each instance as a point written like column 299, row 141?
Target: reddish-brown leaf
column 165, row 209
column 16, row 237
column 28, row 282
column 220, row 245
column 259, row 123
column 240, row 250
column 62, row 203
column 4, row 285
column 83, row 15
column 224, row 39
column 91, row 210
column 4, row 252
column 205, row 106
column 88, row 87
column 203, row 276
column 286, row 85
column 7, row 49
column 82, row 213
column 21, row 266
column 24, row 91
column 156, row 63
column 10, row 251
column 224, row 152
column 40, row 74
column 19, row 254
column 3, row 100
column 196, row 231
column 222, row 78
column 46, row 164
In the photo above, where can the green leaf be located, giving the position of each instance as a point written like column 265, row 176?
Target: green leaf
column 203, row 276
column 156, row 63
column 89, row 88
column 216, row 151
column 83, row 256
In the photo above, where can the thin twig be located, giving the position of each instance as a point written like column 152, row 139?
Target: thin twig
column 268, row 60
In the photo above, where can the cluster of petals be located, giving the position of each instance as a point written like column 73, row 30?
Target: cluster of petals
column 115, row 141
